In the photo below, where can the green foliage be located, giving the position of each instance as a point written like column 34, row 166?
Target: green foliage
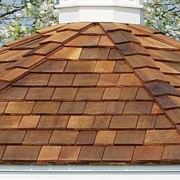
column 163, row 15
column 23, row 17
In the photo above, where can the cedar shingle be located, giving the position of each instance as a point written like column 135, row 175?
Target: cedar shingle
column 101, row 122
column 138, row 107
column 86, row 138
column 129, row 80
column 53, row 122
column 50, row 67
column 27, row 62
column 128, row 93
column 109, row 26
column 29, row 122
column 84, row 41
column 64, row 94
column 9, row 122
column 91, row 153
column 112, row 93
column 162, row 137
column 34, row 80
column 140, row 61
column 75, row 26
column 105, row 138
column 14, row 93
column 148, row 75
column 94, row 30
column 72, row 107
column 142, row 94
column 89, row 94
column 63, row 137
column 118, row 153
column 61, row 80
column 115, row 108
column 49, row 153
column 171, row 153
column 13, row 74
column 39, row 94
column 95, row 108
column 148, row 153
column 66, row 53
column 69, row 153
column 60, row 37
column 44, row 49
column 80, row 122
column 80, row 66
column 94, row 53
column 122, row 67
column 123, row 122
column 156, row 109
column 81, row 80
column 46, row 108
column 132, row 49
column 105, row 41
column 162, row 122
column 115, row 55
column 34, row 137
column 146, row 122
column 108, row 80
column 117, row 37
column 161, row 88
column 21, row 153
column 11, row 137
column 19, row 107
column 104, row 66
column 129, row 137
column 2, row 148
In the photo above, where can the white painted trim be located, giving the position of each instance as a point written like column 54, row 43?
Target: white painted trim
column 124, row 11
column 89, row 172
column 90, row 168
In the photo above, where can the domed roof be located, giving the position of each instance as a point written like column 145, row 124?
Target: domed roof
column 90, row 93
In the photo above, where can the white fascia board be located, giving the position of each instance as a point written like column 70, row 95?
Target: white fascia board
column 105, row 169
column 89, row 172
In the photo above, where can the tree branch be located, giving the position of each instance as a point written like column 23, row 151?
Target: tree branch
column 11, row 12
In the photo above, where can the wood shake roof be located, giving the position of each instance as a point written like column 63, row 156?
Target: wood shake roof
column 104, row 93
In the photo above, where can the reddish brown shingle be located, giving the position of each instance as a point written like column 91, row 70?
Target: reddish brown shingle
column 19, row 108
column 29, row 122
column 49, row 153
column 129, row 137
column 118, row 153
column 53, row 122
column 80, row 122
column 86, row 138
column 21, row 153
column 105, row 137
column 11, row 136
column 91, row 153
column 148, row 153
column 78, row 93
column 123, row 122
column 69, row 153
column 63, row 137
column 37, row 137
column 9, row 122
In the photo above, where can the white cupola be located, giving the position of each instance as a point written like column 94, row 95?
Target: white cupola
column 124, row 11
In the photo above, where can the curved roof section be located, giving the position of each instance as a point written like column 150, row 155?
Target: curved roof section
column 105, row 93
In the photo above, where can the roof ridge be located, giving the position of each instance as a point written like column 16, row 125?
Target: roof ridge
column 148, row 72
